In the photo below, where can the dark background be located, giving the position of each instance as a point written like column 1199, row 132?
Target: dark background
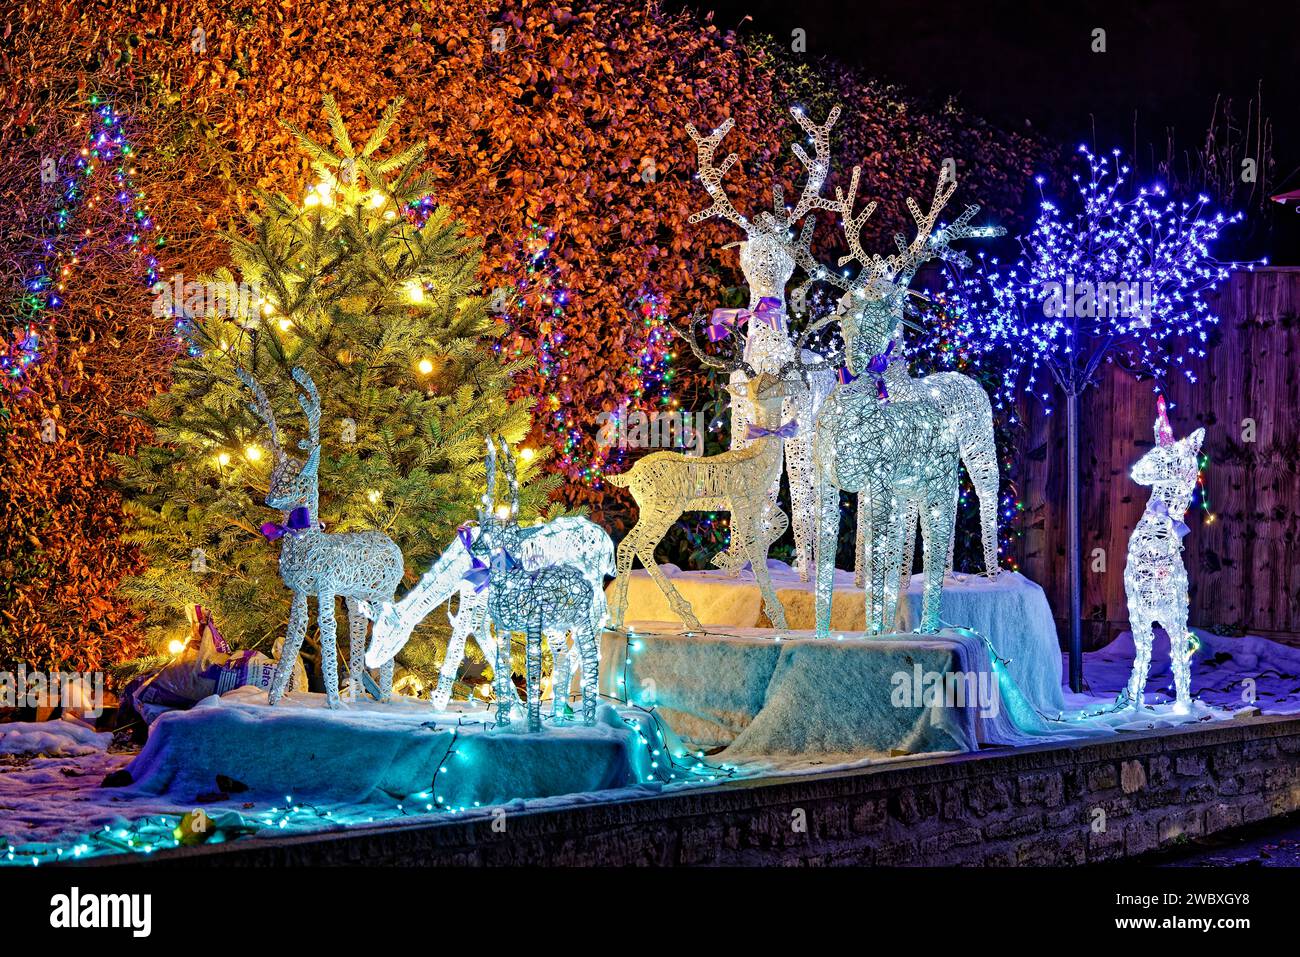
column 1031, row 65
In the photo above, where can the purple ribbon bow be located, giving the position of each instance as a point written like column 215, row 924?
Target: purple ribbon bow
column 1160, row 509
column 787, row 431
column 480, row 575
column 724, row 321
column 878, row 366
column 299, row 523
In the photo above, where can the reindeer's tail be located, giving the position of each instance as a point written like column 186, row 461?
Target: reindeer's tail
column 622, row 480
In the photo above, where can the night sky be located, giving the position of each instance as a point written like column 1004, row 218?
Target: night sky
column 1032, row 63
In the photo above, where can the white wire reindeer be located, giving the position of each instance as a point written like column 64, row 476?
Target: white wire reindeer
column 565, row 540
column 768, row 258
column 872, row 317
column 546, row 601
column 1155, row 579
column 666, row 484
column 358, row 566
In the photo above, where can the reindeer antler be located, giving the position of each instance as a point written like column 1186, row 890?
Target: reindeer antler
column 310, row 404
column 711, row 176
column 797, row 362
column 511, row 477
column 818, row 169
column 260, row 406
column 737, row 361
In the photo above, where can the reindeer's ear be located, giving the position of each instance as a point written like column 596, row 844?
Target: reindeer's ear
column 1194, row 440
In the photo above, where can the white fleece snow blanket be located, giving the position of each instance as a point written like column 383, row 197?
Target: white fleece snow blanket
column 1011, row 611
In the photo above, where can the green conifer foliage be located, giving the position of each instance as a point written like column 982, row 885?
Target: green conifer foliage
column 381, row 306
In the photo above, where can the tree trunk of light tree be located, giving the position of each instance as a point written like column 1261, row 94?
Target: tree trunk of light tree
column 1074, row 547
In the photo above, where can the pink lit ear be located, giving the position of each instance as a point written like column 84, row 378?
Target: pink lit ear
column 1163, row 430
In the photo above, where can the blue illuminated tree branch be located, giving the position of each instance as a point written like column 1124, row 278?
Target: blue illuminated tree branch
column 1119, row 279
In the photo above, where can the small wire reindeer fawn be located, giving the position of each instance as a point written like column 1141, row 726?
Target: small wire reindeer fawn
column 1155, row 579
column 546, row 601
column 359, row 566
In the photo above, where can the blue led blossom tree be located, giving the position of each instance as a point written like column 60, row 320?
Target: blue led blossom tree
column 1120, row 279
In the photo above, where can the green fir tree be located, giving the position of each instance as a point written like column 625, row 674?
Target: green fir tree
column 374, row 292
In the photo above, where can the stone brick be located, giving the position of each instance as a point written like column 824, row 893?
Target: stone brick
column 985, row 795
column 1139, row 837
column 906, row 807
column 1018, row 826
column 951, row 805
column 1159, row 770
column 1175, row 827
column 936, row 845
column 1132, row 777
column 869, row 816
column 897, row 853
column 1103, row 777
column 1063, row 816
column 1225, row 760
column 1253, row 751
column 1221, row 816
column 1191, row 764
column 1047, row 790
column 1105, row 845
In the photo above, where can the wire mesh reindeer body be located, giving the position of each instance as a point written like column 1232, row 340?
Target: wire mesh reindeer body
column 870, row 311
column 965, row 405
column 565, row 540
column 359, row 567
column 768, row 260
column 545, row 602
column 1155, row 579
column 666, row 484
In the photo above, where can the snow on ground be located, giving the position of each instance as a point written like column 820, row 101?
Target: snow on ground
column 52, row 804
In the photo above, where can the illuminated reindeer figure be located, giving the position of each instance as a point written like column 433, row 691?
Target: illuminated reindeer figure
column 768, row 257
column 666, row 484
column 359, row 566
column 871, row 312
column 565, row 540
column 544, row 602
column 1155, row 579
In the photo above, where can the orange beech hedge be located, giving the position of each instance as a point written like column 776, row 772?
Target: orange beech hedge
column 535, row 114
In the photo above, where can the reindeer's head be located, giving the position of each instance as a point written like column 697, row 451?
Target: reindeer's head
column 294, row 481
column 873, row 304
column 769, row 253
column 1172, row 466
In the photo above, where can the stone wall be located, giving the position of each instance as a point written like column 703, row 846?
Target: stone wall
column 1045, row 805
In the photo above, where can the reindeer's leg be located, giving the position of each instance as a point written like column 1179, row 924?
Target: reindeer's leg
column 938, row 518
column 561, row 670
column 657, row 526
column 860, row 543
column 533, row 657
column 451, row 661
column 386, row 679
column 1142, row 641
column 588, row 644
column 627, row 551
column 329, row 658
column 910, row 523
column 882, row 566
column 803, row 502
column 828, row 534
column 758, row 559
column 357, row 651
column 504, row 668
column 950, row 551
column 980, row 457
column 292, row 645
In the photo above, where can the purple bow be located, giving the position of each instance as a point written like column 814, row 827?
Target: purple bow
column 724, row 321
column 847, row 377
column 299, row 523
column 1161, row 510
column 878, row 366
column 787, row 431
column 480, row 575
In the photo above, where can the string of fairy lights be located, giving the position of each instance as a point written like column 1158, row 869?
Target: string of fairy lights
column 101, row 170
column 535, row 305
